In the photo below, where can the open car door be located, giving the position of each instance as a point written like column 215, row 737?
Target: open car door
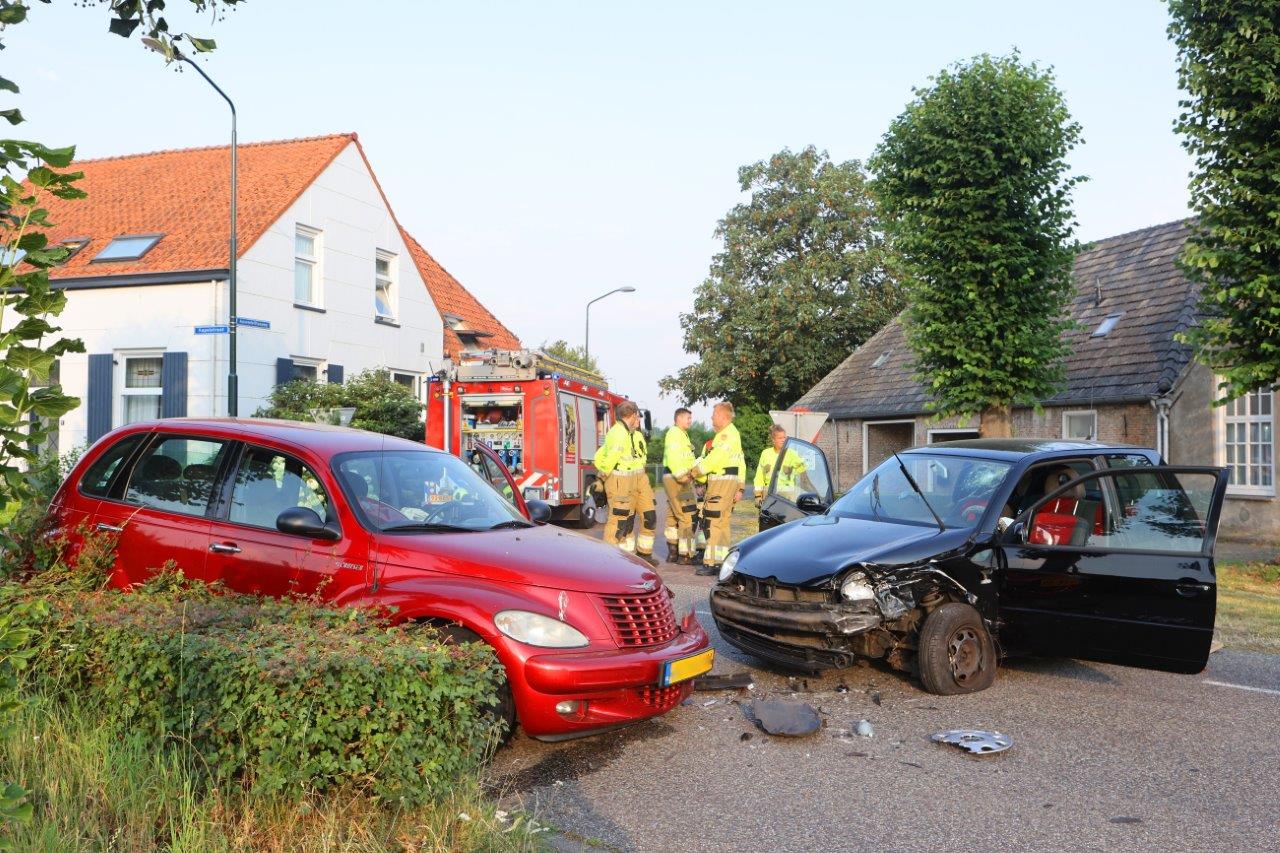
column 1117, row 566
column 799, row 485
column 486, row 463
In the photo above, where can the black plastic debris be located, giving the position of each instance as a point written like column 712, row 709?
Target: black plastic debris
column 1126, row 819
column 842, row 688
column 737, row 681
column 875, row 697
column 798, row 685
column 786, row 717
column 744, row 736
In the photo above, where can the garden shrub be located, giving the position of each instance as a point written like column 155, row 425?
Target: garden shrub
column 285, row 697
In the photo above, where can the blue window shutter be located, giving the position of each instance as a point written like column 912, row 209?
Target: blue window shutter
column 284, row 370
column 98, row 398
column 173, row 385
column 334, row 372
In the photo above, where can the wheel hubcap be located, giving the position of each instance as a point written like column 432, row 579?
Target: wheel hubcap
column 965, row 653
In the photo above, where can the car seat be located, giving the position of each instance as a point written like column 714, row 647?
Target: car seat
column 1069, row 518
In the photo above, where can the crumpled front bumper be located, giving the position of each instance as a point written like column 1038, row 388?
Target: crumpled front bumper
column 803, row 634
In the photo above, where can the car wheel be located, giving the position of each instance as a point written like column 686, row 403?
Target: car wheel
column 957, row 654
column 587, row 513
column 504, row 709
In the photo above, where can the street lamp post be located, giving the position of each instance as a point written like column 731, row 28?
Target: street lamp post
column 233, row 381
column 586, row 340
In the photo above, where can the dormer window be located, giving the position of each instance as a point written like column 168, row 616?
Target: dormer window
column 127, row 248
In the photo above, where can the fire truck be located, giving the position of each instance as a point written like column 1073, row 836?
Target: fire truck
column 543, row 417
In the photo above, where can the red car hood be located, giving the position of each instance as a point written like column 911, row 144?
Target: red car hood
column 542, row 556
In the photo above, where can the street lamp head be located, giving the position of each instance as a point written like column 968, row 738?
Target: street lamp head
column 627, row 289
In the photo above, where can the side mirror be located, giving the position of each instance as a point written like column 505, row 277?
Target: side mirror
column 539, row 511
column 810, row 502
column 1017, row 532
column 304, row 521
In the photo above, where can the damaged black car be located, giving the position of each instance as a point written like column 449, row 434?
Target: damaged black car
column 946, row 558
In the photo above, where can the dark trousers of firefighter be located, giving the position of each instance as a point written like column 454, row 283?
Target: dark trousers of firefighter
column 681, row 506
column 722, row 490
column 630, row 495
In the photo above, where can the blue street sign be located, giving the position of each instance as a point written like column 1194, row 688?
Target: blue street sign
column 252, row 323
column 213, row 330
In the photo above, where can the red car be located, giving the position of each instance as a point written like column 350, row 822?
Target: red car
column 587, row 634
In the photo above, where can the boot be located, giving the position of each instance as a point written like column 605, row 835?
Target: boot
column 707, row 571
column 650, row 559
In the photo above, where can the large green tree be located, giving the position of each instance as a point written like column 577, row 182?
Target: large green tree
column 973, row 182
column 799, row 282
column 1229, row 65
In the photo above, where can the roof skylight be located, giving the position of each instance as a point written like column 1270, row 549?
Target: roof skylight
column 128, row 247
column 882, row 358
column 1105, row 327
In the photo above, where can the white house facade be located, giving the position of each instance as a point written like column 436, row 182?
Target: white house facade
column 327, row 285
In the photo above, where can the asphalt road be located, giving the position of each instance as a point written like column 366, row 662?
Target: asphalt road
column 1103, row 757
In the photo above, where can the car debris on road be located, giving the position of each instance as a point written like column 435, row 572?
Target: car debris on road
column 785, row 717
column 974, row 741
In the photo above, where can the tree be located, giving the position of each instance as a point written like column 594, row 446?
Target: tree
column 799, row 282
column 1229, row 62
column 973, row 182
column 381, row 404
column 574, row 355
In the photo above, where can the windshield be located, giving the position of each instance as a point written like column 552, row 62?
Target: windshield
column 957, row 488
column 419, row 491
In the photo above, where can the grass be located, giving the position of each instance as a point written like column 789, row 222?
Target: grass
column 92, row 790
column 1249, row 606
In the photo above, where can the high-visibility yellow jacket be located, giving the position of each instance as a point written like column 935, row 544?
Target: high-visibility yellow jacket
column 725, row 455
column 624, row 451
column 677, row 451
column 792, row 467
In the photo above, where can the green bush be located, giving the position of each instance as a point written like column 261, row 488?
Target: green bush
column 284, row 697
column 382, row 404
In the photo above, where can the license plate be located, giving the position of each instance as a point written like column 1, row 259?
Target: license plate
column 675, row 671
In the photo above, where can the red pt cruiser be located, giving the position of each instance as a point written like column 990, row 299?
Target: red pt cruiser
column 587, row 634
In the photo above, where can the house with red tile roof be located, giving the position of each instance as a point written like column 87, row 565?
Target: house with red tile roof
column 329, row 282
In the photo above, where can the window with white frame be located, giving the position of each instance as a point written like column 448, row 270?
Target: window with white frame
column 306, row 266
column 306, row 368
column 1248, row 433
column 140, row 392
column 1080, row 425
column 384, row 285
column 408, row 380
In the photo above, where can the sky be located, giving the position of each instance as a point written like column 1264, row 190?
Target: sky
column 547, row 153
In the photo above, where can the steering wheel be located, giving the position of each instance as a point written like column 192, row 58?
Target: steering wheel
column 437, row 511
column 972, row 510
column 382, row 513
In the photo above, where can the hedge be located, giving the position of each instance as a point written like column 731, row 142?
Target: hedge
column 284, row 697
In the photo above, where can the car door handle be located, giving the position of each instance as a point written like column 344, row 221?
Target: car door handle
column 110, row 528
column 224, row 548
column 1191, row 588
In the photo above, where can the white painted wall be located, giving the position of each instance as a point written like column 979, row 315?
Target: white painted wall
column 344, row 203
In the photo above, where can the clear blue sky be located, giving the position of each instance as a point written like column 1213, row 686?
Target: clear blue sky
column 546, row 153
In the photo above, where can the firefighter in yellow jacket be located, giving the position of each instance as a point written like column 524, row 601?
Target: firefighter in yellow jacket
column 678, row 459
column 621, row 461
column 789, row 469
column 725, row 468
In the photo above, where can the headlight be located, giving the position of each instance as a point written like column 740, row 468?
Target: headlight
column 538, row 630
column 726, row 568
column 856, row 588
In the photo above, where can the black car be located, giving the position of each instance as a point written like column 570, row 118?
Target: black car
column 945, row 558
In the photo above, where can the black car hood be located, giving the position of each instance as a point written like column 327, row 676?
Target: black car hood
column 811, row 550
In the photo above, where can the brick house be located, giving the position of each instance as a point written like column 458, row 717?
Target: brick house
column 1127, row 380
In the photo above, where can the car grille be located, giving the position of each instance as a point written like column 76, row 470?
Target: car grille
column 757, row 588
column 641, row 620
column 662, row 698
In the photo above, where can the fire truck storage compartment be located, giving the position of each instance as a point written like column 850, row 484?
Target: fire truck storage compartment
column 496, row 420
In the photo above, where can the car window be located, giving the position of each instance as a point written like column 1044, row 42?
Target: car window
column 957, row 488
column 269, row 482
column 1040, row 480
column 1152, row 511
column 395, row 488
column 485, row 467
column 97, row 480
column 176, row 475
column 801, row 470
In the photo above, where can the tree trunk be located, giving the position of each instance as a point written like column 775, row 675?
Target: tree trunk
column 997, row 422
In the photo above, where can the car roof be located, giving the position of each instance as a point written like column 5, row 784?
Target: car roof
column 1015, row 449
column 317, row 437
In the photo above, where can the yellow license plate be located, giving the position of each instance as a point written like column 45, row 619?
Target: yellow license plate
column 675, row 671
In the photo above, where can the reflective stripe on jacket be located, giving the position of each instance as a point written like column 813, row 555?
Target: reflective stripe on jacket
column 793, row 466
column 725, row 454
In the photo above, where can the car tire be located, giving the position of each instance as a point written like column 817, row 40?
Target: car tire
column 957, row 654
column 587, row 512
column 504, row 710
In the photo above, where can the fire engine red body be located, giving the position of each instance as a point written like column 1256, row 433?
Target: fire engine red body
column 544, row 419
